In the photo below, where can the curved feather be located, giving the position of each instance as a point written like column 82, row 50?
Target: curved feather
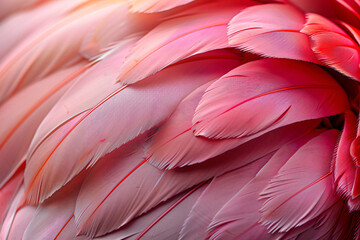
column 9, row 191
column 133, row 110
column 261, row 97
column 334, row 223
column 118, row 25
column 20, row 222
column 53, row 217
column 22, row 114
column 151, row 6
column 50, row 49
column 302, row 189
column 179, row 38
column 11, row 214
column 175, row 145
column 137, row 225
column 102, row 191
column 31, row 21
column 344, row 165
column 333, row 46
column 261, row 29
column 92, row 87
column 218, row 192
column 152, row 187
column 240, row 215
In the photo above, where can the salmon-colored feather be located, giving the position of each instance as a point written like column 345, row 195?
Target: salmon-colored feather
column 260, row 97
column 179, row 119
column 174, row 39
column 268, row 34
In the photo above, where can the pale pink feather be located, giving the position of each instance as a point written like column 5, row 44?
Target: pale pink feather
column 197, row 32
column 148, row 103
column 22, row 114
column 50, row 49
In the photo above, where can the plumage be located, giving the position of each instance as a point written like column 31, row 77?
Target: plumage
column 175, row 39
column 293, row 199
column 19, row 128
column 165, row 91
column 238, row 95
column 268, row 34
column 179, row 119
column 240, row 215
column 332, row 45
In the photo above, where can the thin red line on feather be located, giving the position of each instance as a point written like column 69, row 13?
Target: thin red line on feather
column 169, row 209
column 172, row 40
column 57, row 235
column 301, row 190
column 67, row 134
column 113, row 189
column 264, row 94
column 41, row 101
column 178, row 135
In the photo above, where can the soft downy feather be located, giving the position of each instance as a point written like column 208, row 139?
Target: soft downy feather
column 239, row 216
column 197, row 32
column 263, row 95
column 303, row 188
column 148, row 103
column 262, row 30
column 333, row 46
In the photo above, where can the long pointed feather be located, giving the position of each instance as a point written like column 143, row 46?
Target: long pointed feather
column 102, row 191
column 239, row 217
column 302, row 189
column 50, row 49
column 138, row 108
column 179, row 38
column 21, row 115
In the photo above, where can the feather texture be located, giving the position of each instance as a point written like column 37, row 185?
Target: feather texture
column 18, row 128
column 159, row 98
column 333, row 46
column 268, row 34
column 261, row 97
column 239, row 216
column 174, row 39
column 302, row 189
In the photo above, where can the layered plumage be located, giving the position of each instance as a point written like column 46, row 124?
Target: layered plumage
column 179, row 119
